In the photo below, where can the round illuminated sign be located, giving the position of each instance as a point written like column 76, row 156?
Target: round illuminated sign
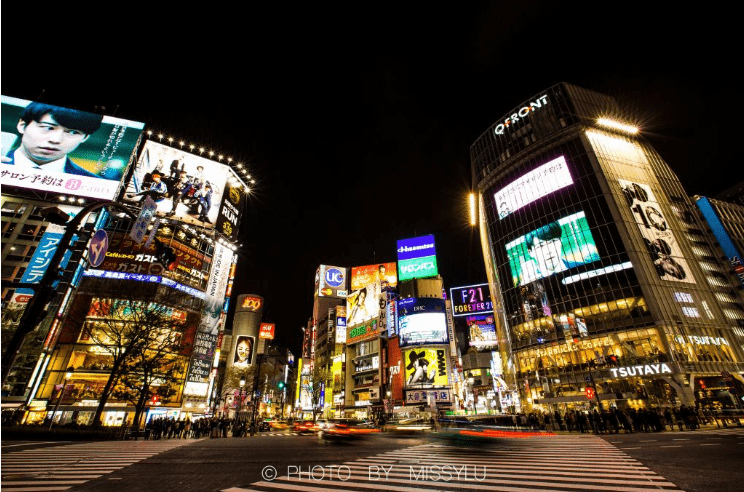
column 334, row 277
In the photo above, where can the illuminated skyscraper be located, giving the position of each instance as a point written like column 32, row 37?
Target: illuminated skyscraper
column 596, row 265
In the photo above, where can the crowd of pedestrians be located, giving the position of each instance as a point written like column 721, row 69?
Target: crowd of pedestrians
column 613, row 420
column 170, row 428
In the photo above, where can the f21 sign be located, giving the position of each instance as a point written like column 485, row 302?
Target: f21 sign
column 471, row 299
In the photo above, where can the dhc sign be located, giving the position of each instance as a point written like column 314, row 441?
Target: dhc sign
column 521, row 113
column 644, row 370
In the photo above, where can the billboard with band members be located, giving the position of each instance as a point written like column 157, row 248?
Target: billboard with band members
column 185, row 187
column 553, row 248
column 661, row 244
column 62, row 150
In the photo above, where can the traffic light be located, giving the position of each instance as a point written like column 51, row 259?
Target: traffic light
column 155, row 400
column 589, row 391
column 165, row 255
column 281, row 385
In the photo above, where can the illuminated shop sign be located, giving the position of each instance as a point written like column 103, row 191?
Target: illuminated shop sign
column 553, row 248
column 362, row 332
column 416, row 247
column 696, row 340
column 421, row 396
column 138, row 277
column 251, row 303
column 535, row 184
column 331, row 281
column 520, row 114
column 472, row 299
column 418, row 268
column 266, row 331
column 640, row 370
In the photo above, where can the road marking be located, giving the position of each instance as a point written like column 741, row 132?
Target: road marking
column 680, row 439
column 710, row 444
column 670, row 446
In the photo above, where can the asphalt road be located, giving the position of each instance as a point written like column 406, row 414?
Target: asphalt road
column 704, row 460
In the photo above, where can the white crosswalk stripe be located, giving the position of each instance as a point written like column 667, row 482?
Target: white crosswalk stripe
column 60, row 468
column 546, row 464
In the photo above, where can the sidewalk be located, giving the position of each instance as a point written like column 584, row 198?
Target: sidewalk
column 712, row 426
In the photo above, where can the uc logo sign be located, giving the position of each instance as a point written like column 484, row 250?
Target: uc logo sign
column 334, row 277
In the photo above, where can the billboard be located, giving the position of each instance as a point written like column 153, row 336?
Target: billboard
column 331, row 281
column 216, row 287
column 471, row 299
column 552, row 248
column 425, row 367
column 417, row 258
column 482, row 330
column 243, row 350
column 719, row 231
column 363, row 304
column 61, row 150
column 361, row 332
column 661, row 244
column 421, row 321
column 231, row 208
column 125, row 255
column 384, row 273
column 186, row 187
column 532, row 186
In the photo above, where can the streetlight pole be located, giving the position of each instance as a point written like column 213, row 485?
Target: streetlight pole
column 242, row 398
column 254, row 399
column 68, row 375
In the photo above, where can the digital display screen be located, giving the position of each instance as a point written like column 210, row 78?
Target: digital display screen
column 384, row 273
column 471, row 299
column 422, row 321
column 552, row 248
column 62, row 150
column 423, row 267
column 534, row 185
column 416, row 247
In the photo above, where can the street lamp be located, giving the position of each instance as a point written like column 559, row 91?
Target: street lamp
column 68, row 375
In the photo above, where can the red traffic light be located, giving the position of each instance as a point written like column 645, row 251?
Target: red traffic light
column 589, row 391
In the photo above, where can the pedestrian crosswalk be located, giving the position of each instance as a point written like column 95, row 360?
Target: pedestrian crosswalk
column 62, row 467
column 550, row 463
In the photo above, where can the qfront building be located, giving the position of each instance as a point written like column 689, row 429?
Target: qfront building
column 600, row 271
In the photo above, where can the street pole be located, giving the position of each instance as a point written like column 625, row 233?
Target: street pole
column 68, row 376
column 36, row 309
column 596, row 393
column 254, row 400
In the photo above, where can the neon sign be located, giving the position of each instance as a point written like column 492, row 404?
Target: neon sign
column 522, row 113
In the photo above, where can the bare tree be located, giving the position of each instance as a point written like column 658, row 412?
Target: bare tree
column 142, row 338
column 319, row 383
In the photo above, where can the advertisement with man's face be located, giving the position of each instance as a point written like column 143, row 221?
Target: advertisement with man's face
column 661, row 244
column 62, row 150
column 552, row 248
column 425, row 367
column 243, row 350
column 184, row 186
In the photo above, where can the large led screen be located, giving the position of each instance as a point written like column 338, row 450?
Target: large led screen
column 61, row 150
column 482, row 330
column 185, row 187
column 535, row 184
column 471, row 299
column 425, row 367
column 422, row 321
column 661, row 244
column 552, row 248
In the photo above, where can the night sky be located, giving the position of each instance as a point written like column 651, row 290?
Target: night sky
column 357, row 125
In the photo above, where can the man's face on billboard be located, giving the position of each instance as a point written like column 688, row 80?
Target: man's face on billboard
column 547, row 254
column 46, row 140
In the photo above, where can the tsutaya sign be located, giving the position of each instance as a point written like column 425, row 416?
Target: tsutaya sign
column 521, row 113
column 644, row 370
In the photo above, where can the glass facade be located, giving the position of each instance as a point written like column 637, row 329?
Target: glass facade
column 589, row 260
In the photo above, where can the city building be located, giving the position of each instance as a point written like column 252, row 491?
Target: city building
column 593, row 262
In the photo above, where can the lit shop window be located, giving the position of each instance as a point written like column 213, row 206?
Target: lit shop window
column 690, row 312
